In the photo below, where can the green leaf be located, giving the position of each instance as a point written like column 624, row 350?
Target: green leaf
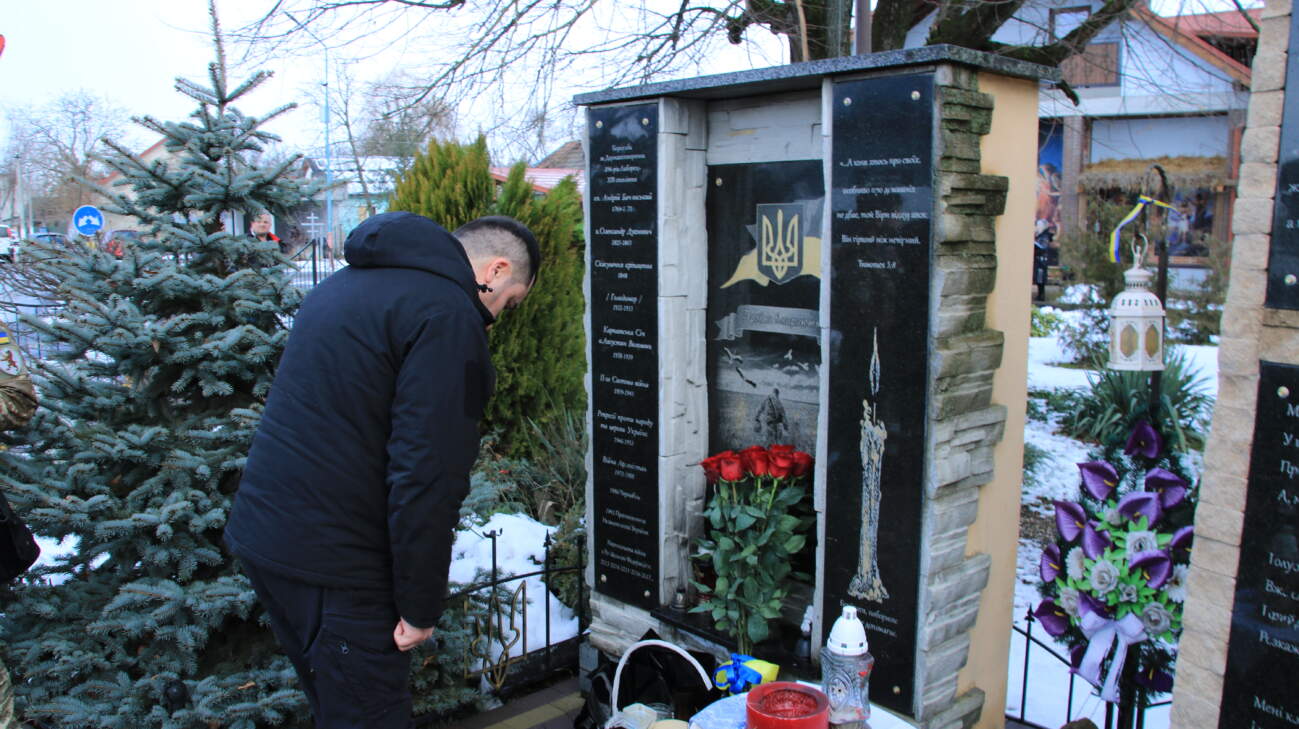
column 795, row 543
column 744, row 521
column 757, row 628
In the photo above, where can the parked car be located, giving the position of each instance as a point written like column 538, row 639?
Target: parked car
column 51, row 238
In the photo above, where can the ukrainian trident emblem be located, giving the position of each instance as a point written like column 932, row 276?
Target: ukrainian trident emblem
column 780, row 242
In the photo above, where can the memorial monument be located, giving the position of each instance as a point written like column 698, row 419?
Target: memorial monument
column 817, row 255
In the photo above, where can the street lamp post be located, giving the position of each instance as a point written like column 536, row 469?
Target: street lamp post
column 329, row 154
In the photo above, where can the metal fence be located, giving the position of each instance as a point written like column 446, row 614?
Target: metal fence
column 1111, row 712
column 313, row 265
column 501, row 623
column 33, row 343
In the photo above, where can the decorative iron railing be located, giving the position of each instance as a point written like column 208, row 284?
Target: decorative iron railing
column 1111, row 712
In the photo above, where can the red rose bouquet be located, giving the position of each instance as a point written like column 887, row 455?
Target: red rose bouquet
column 751, row 536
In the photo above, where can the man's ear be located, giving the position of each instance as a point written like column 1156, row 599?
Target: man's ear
column 499, row 267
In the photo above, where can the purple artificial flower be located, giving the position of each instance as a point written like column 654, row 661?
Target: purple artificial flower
column 1094, row 543
column 1069, row 519
column 1155, row 565
column 1099, row 478
column 1053, row 618
column 1076, row 654
column 1141, row 503
column 1144, row 440
column 1181, row 542
column 1170, row 487
column 1050, row 564
column 1089, row 604
column 1154, row 680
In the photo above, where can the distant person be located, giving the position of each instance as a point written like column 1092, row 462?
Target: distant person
column 260, row 229
column 345, row 517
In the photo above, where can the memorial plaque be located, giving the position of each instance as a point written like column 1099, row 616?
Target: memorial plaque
column 1258, row 690
column 764, row 288
column 1283, row 261
column 880, row 238
column 624, row 335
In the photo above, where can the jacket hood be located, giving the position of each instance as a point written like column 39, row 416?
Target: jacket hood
column 407, row 240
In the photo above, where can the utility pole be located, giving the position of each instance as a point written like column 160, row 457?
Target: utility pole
column 329, row 154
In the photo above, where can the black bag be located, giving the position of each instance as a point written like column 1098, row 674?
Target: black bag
column 18, row 549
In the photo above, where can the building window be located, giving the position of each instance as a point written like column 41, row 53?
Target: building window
column 1097, row 65
column 1065, row 20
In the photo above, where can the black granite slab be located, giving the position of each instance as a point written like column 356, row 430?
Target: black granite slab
column 808, row 75
column 623, row 190
column 882, row 201
column 764, row 338
column 1283, row 258
column 1258, row 689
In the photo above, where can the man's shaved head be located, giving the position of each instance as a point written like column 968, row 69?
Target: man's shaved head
column 504, row 237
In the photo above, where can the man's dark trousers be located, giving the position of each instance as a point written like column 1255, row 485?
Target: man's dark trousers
column 340, row 641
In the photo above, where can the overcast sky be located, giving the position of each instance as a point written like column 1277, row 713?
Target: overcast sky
column 132, row 50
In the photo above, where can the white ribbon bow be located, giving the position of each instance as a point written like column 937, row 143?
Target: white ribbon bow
column 1102, row 633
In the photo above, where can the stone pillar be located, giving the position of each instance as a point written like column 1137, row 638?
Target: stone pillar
column 1251, row 334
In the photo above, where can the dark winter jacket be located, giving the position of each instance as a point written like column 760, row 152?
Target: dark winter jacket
column 362, row 457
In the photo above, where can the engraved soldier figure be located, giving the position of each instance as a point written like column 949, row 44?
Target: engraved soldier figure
column 770, row 423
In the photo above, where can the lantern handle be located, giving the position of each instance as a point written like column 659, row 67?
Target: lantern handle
column 1139, row 254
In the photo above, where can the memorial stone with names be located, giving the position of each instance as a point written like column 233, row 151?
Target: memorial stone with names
column 1283, row 261
column 624, row 364
column 1263, row 650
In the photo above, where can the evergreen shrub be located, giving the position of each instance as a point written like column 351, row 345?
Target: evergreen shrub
column 1118, row 400
column 162, row 363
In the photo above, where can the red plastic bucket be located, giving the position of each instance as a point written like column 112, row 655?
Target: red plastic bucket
column 787, row 705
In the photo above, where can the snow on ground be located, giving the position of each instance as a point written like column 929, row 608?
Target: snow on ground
column 520, row 548
column 1045, row 353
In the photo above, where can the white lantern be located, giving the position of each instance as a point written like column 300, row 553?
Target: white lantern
column 1137, row 324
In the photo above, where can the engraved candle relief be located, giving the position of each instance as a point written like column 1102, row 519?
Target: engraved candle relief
column 866, row 583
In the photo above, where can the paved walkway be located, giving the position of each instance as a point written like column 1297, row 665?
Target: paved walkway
column 550, row 708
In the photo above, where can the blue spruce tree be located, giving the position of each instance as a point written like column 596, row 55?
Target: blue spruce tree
column 146, row 415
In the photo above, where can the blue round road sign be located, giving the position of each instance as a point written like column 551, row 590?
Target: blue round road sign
column 87, row 220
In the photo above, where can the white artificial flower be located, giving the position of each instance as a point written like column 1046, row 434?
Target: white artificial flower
column 1138, row 542
column 1127, row 593
column 1069, row 601
column 1104, row 577
column 1156, row 618
column 1073, row 563
column 1176, row 586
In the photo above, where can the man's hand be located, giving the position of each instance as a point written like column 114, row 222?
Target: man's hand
column 408, row 636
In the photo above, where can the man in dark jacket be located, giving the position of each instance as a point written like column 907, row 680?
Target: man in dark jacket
column 345, row 517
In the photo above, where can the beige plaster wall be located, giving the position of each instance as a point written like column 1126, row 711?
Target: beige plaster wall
column 1250, row 333
column 1010, row 149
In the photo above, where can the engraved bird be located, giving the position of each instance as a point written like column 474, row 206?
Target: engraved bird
column 732, row 357
column 789, row 354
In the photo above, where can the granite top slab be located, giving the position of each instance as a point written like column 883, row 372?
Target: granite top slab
column 808, row 75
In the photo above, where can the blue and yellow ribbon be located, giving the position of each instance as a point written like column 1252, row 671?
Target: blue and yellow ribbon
column 1142, row 202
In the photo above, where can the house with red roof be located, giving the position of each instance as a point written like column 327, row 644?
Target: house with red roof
column 1149, row 90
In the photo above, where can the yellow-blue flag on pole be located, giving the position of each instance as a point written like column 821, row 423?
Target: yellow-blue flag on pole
column 1142, row 202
